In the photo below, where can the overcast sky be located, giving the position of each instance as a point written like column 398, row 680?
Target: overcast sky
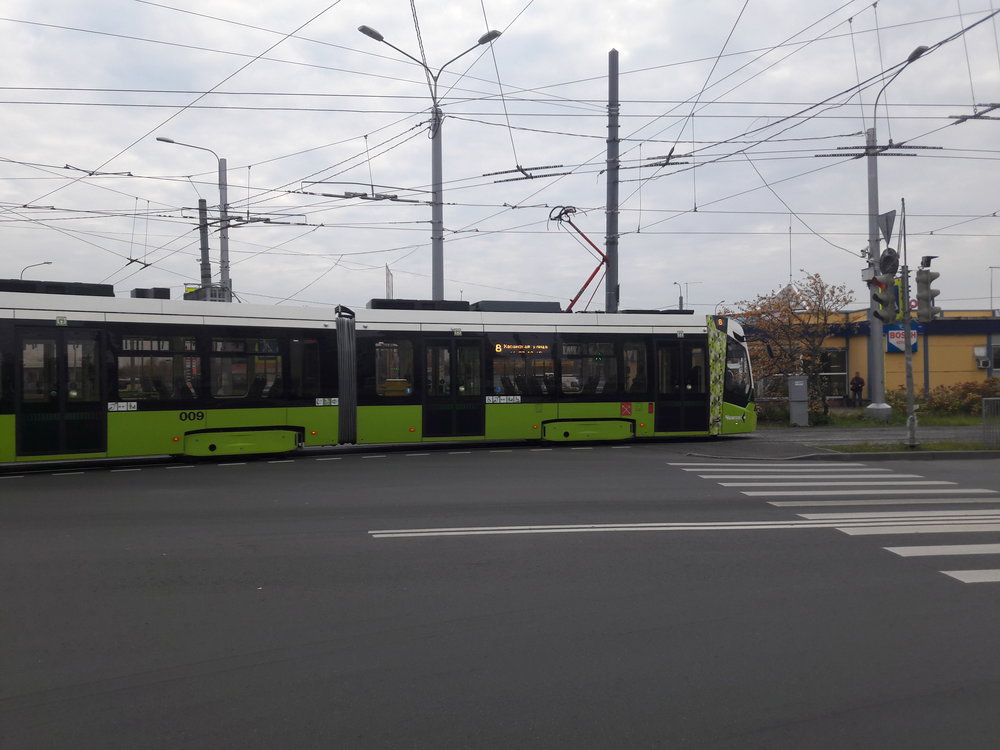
column 751, row 98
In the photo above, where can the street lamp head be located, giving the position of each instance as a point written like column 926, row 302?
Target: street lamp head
column 164, row 139
column 370, row 32
column 488, row 37
column 917, row 53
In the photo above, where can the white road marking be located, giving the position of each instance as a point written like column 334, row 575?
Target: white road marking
column 902, row 514
column 459, row 453
column 798, row 464
column 874, row 490
column 68, row 474
column 945, row 528
column 946, row 549
column 882, row 478
column 179, row 467
column 789, row 469
column 329, row 458
column 505, row 450
column 974, row 576
column 417, row 455
column 119, row 471
column 845, row 525
column 283, row 461
column 379, row 456
column 16, row 476
column 883, row 501
column 850, row 483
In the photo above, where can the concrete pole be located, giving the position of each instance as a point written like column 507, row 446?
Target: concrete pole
column 611, row 238
column 877, row 409
column 437, row 208
column 227, row 285
column 206, row 265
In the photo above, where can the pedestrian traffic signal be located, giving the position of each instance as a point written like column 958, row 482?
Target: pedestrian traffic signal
column 926, row 310
column 884, row 292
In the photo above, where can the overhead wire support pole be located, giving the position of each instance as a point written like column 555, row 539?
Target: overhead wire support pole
column 224, row 281
column 611, row 236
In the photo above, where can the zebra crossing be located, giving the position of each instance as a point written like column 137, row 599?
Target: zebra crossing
column 841, row 490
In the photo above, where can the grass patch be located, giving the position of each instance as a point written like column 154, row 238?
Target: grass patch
column 859, row 418
column 938, row 445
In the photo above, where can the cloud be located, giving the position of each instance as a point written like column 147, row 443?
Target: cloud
column 332, row 111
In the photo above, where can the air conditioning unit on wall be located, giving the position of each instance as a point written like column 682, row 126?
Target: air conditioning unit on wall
column 983, row 364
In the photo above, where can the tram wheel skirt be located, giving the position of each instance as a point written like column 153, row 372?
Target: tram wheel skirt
column 570, row 430
column 240, row 442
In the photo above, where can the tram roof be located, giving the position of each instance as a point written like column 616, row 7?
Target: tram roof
column 32, row 306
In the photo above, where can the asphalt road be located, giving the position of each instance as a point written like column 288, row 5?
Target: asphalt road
column 599, row 596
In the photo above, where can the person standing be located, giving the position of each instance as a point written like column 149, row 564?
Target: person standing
column 857, row 385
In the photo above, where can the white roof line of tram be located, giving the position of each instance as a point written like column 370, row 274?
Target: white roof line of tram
column 24, row 306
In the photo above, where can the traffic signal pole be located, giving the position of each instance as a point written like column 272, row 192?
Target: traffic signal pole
column 877, row 409
column 911, row 404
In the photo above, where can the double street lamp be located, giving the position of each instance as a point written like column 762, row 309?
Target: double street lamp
column 437, row 211
column 224, row 282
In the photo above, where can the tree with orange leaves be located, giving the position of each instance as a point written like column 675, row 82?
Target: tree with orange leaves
column 786, row 330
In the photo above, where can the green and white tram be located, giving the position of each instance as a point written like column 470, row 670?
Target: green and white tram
column 84, row 374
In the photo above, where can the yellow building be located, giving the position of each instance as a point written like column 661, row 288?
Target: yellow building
column 961, row 347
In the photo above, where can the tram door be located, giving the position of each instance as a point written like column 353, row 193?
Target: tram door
column 453, row 399
column 59, row 403
column 682, row 384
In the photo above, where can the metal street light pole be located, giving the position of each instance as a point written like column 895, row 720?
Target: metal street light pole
column 437, row 117
column 991, row 270
column 33, row 265
column 876, row 350
column 224, row 281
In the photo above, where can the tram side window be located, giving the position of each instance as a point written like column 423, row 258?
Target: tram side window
column 738, row 382
column 38, row 370
column 589, row 368
column 246, row 368
column 304, row 369
column 393, row 368
column 157, row 368
column 635, row 371
column 522, row 367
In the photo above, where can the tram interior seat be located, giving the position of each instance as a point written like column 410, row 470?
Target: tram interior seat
column 256, row 389
column 182, row 389
column 276, row 389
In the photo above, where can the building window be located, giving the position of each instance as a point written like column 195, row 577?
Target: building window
column 833, row 379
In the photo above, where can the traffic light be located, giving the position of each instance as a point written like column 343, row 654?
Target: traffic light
column 926, row 311
column 888, row 262
column 884, row 292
